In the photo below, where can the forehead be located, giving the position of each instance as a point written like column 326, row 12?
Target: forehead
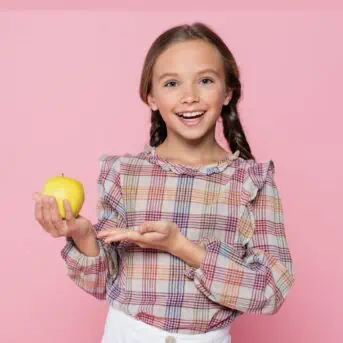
column 188, row 57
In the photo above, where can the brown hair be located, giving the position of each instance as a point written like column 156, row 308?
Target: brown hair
column 232, row 127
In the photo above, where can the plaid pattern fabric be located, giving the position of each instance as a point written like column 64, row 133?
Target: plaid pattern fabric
column 232, row 208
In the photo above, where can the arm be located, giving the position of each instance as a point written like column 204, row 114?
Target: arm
column 258, row 281
column 186, row 250
column 87, row 245
column 90, row 263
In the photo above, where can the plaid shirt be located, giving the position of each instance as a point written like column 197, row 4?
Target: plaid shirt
column 231, row 207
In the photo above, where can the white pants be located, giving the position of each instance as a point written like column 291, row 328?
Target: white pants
column 122, row 328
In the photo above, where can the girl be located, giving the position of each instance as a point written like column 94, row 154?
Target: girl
column 189, row 236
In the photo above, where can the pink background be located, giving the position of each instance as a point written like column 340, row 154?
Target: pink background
column 69, row 92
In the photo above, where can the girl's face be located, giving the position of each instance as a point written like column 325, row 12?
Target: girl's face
column 188, row 80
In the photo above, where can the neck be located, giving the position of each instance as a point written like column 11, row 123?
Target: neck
column 191, row 153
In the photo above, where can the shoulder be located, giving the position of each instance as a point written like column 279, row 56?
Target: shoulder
column 119, row 163
column 109, row 164
column 259, row 171
column 255, row 175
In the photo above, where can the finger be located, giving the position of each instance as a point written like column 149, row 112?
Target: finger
column 146, row 227
column 39, row 211
column 36, row 196
column 156, row 226
column 106, row 232
column 56, row 219
column 124, row 235
column 112, row 236
column 116, row 238
column 135, row 236
column 47, row 217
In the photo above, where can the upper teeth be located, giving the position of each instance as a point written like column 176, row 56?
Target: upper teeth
column 190, row 114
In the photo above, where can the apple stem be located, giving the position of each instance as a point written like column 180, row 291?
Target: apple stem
column 62, row 174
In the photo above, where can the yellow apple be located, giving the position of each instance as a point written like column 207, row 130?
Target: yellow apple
column 62, row 187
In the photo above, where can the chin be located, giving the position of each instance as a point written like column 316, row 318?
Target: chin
column 193, row 136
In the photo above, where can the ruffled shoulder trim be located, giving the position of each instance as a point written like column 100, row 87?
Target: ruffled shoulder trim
column 255, row 177
column 109, row 167
column 107, row 158
column 109, row 161
column 109, row 184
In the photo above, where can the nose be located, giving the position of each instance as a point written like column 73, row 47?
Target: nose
column 190, row 95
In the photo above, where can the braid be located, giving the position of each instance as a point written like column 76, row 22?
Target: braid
column 233, row 132
column 232, row 129
column 158, row 129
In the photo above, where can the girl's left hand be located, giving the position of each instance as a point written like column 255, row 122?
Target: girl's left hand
column 161, row 235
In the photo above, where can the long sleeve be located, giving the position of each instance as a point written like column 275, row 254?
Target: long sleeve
column 88, row 272
column 258, row 280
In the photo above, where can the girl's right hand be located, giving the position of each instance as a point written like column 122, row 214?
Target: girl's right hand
column 47, row 215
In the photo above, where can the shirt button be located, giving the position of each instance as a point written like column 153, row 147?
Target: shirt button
column 170, row 339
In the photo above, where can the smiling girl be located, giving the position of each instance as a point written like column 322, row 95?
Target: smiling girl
column 189, row 236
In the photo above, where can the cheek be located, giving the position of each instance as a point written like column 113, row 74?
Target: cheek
column 213, row 95
column 167, row 101
column 214, row 99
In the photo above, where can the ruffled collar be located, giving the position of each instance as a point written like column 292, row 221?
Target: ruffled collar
column 217, row 167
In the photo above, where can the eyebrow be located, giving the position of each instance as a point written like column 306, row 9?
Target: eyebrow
column 208, row 70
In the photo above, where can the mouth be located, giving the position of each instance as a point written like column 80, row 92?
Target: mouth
column 191, row 118
column 190, row 115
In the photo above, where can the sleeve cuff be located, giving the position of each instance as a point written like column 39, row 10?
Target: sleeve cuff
column 71, row 253
column 190, row 271
column 216, row 253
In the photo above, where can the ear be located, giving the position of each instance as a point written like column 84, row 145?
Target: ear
column 152, row 103
column 228, row 97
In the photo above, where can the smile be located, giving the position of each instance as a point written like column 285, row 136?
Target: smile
column 191, row 115
column 191, row 119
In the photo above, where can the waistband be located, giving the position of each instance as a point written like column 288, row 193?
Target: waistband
column 131, row 324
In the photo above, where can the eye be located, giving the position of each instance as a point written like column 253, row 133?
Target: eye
column 207, row 79
column 169, row 82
